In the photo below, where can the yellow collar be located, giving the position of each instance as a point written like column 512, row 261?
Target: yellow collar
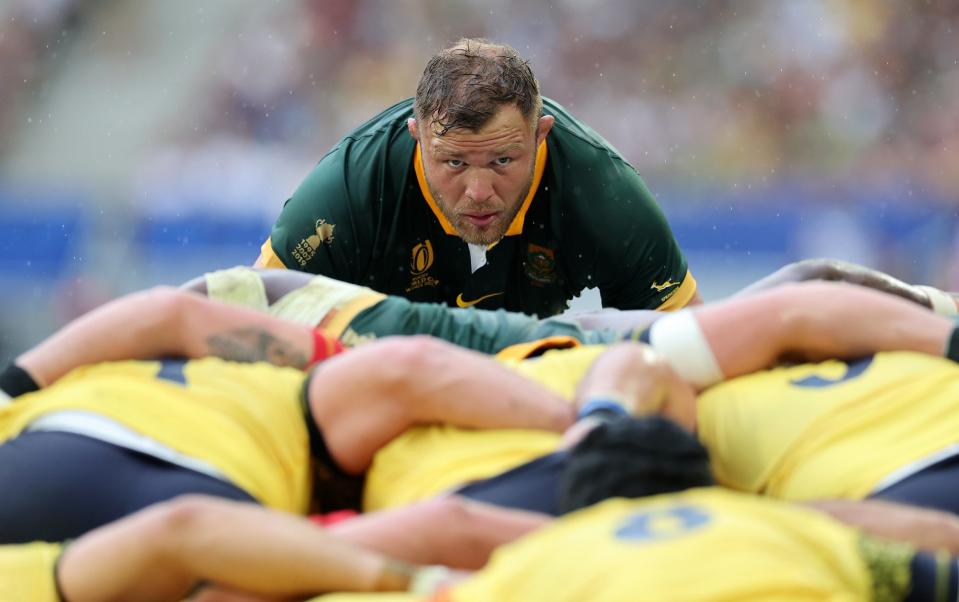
column 516, row 227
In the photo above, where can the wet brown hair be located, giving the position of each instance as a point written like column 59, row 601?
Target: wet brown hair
column 465, row 85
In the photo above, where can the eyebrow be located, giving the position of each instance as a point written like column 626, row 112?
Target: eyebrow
column 506, row 149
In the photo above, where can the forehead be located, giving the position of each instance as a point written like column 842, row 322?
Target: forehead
column 507, row 129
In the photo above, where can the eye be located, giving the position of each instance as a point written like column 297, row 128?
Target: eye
column 455, row 163
column 502, row 161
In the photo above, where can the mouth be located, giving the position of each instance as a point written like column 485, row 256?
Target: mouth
column 481, row 219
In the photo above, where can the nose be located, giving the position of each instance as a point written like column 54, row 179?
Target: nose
column 479, row 185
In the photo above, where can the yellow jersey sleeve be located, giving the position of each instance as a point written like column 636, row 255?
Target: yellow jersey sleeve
column 26, row 572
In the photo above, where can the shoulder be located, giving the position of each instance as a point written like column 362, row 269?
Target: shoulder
column 575, row 140
column 366, row 169
column 381, row 128
column 381, row 145
column 594, row 183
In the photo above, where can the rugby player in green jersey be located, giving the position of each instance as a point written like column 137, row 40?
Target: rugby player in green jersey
column 481, row 193
column 356, row 314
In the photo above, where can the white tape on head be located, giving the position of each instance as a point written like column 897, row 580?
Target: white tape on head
column 5, row 399
column 942, row 302
column 679, row 339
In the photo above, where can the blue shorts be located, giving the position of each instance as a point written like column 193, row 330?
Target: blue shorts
column 936, row 486
column 56, row 486
column 932, row 578
column 533, row 486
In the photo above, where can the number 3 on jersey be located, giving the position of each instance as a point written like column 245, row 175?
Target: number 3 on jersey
column 853, row 369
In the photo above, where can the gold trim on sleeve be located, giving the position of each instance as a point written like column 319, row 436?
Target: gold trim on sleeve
column 268, row 257
column 680, row 296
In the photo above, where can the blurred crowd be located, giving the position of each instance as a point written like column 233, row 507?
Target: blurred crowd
column 711, row 93
column 32, row 35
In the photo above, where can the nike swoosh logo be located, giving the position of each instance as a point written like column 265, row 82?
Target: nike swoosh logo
column 461, row 302
column 661, row 287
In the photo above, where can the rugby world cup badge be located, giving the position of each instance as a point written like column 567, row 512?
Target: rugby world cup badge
column 421, row 260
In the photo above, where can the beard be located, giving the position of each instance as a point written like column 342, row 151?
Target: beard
column 486, row 234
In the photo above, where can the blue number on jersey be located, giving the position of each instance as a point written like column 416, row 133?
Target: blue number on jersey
column 853, row 369
column 667, row 523
column 172, row 370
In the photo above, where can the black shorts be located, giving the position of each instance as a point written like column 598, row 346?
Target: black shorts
column 533, row 486
column 933, row 578
column 56, row 486
column 936, row 486
column 333, row 489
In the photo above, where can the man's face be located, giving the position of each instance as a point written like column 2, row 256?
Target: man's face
column 479, row 179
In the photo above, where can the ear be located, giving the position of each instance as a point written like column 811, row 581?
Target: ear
column 412, row 128
column 543, row 127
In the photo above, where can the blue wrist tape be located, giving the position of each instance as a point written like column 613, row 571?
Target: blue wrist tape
column 600, row 407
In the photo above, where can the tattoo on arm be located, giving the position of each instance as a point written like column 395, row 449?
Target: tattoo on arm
column 255, row 345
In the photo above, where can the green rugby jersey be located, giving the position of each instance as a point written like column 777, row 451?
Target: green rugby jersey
column 365, row 215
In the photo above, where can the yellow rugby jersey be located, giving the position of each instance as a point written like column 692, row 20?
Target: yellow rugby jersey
column 703, row 544
column 26, row 572
column 832, row 429
column 243, row 419
column 429, row 460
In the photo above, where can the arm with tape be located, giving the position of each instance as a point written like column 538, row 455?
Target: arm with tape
column 808, row 321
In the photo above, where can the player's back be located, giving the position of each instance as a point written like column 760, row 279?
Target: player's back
column 704, row 544
column 831, row 429
column 243, row 419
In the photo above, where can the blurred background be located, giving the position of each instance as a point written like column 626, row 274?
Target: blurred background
column 144, row 142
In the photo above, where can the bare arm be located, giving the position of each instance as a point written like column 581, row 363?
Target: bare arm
column 926, row 529
column 816, row 320
column 166, row 322
column 840, row 271
column 451, row 531
column 160, row 553
column 366, row 397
